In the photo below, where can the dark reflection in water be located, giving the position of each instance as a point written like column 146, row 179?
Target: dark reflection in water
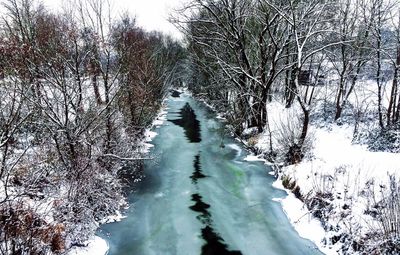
column 214, row 243
column 197, row 174
column 189, row 123
column 175, row 93
column 201, row 208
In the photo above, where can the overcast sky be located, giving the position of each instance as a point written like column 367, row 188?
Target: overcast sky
column 150, row 14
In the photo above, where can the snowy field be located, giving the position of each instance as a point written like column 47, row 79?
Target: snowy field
column 343, row 173
column 344, row 170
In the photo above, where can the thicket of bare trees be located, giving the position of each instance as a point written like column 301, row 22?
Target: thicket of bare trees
column 77, row 90
column 244, row 53
column 334, row 61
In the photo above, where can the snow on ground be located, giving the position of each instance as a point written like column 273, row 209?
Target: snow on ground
column 347, row 171
column 149, row 134
column 334, row 153
column 95, row 246
column 338, row 167
column 352, row 176
column 161, row 117
column 114, row 218
column 307, row 226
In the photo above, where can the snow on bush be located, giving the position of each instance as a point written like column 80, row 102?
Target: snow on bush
column 351, row 189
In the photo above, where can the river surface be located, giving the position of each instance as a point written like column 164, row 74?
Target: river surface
column 200, row 197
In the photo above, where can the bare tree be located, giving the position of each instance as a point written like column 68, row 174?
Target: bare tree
column 382, row 10
column 393, row 115
column 308, row 22
column 62, row 133
column 355, row 24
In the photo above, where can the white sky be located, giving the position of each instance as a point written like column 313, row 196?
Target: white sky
column 150, row 14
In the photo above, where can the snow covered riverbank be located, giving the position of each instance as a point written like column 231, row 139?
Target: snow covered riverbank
column 348, row 181
column 307, row 226
column 341, row 182
column 97, row 245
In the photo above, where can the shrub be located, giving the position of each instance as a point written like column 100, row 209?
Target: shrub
column 287, row 134
column 23, row 231
column 291, row 185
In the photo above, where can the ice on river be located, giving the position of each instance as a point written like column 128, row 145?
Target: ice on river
column 200, row 196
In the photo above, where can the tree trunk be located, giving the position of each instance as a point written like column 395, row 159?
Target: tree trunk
column 391, row 112
column 340, row 94
column 291, row 90
column 295, row 153
column 96, row 89
column 392, row 99
column 261, row 111
column 397, row 114
column 288, row 82
column 378, row 76
column 306, row 122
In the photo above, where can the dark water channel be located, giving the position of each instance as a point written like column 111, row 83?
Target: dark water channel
column 200, row 198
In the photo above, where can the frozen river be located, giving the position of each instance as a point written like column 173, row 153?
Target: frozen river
column 201, row 198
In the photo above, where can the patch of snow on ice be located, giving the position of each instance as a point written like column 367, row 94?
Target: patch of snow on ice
column 236, row 148
column 277, row 199
column 149, row 135
column 161, row 118
column 114, row 218
column 254, row 158
column 220, row 117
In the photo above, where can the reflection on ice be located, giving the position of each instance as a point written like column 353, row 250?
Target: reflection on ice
column 175, row 93
column 197, row 174
column 214, row 245
column 201, row 208
column 189, row 123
